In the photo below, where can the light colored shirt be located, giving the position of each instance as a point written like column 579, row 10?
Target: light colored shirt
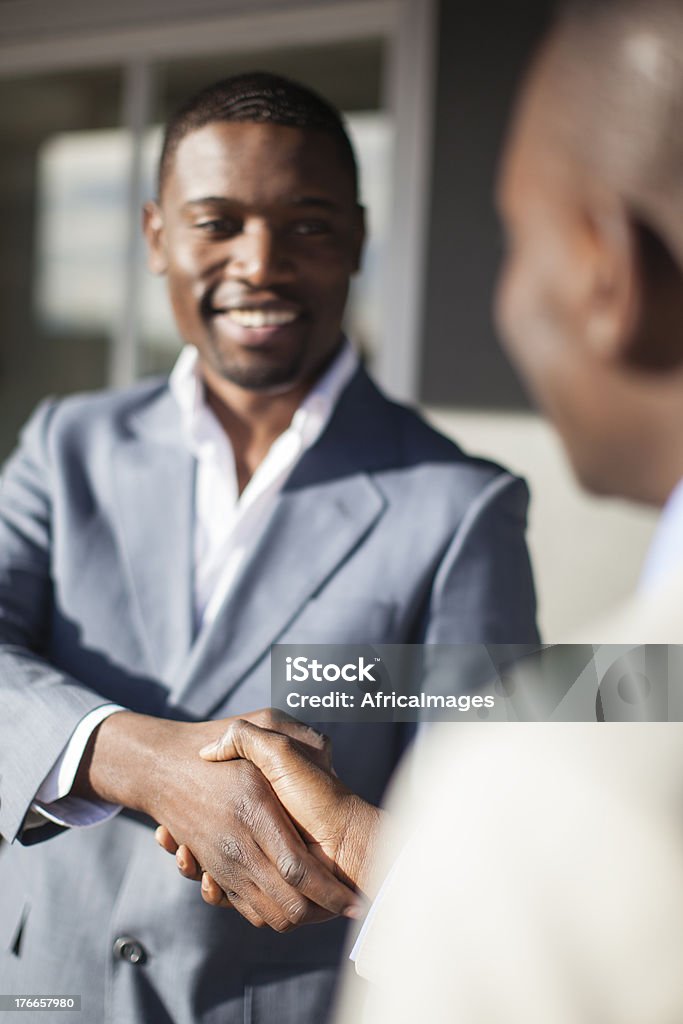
column 227, row 526
column 541, row 880
column 665, row 555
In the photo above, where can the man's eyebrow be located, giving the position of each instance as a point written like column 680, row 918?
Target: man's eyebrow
column 318, row 202
column 206, row 201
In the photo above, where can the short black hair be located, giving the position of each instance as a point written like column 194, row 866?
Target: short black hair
column 259, row 97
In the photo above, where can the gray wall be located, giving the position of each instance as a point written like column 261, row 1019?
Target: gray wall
column 482, row 50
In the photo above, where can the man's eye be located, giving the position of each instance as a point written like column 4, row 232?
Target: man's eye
column 217, row 226
column 311, row 227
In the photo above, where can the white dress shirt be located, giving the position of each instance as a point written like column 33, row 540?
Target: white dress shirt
column 227, row 526
column 665, row 555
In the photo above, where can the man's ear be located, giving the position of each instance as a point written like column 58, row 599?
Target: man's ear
column 358, row 238
column 635, row 313
column 613, row 303
column 153, row 228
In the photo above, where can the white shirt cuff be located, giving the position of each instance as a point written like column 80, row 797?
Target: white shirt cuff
column 52, row 802
column 369, row 917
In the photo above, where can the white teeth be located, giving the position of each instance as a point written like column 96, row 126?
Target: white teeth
column 262, row 317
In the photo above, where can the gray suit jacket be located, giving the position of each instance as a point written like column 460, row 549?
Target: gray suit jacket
column 384, row 532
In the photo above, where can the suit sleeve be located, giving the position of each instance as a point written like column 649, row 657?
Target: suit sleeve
column 40, row 706
column 483, row 592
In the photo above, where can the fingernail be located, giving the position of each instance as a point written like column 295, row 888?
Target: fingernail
column 355, row 912
column 210, row 748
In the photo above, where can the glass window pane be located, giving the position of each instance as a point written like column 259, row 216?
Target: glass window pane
column 81, row 231
column 61, row 235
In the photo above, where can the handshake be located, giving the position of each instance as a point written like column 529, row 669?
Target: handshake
column 273, row 832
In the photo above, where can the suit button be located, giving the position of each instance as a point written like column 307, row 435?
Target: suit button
column 129, row 949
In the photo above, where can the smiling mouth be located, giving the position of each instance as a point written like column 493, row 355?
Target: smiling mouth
column 259, row 318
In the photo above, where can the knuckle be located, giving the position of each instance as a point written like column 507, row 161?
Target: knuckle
column 245, row 811
column 228, row 740
column 265, row 718
column 280, row 744
column 317, row 738
column 296, row 912
column 230, row 733
column 232, row 850
column 282, row 925
column 292, row 868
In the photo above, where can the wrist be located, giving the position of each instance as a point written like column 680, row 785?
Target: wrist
column 126, row 762
column 358, row 846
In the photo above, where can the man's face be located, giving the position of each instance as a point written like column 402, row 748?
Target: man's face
column 258, row 233
column 543, row 300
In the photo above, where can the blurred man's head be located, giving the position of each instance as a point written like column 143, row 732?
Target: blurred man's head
column 590, row 302
column 258, row 230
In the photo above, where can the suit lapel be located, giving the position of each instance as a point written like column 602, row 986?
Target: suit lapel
column 328, row 506
column 310, row 534
column 153, row 475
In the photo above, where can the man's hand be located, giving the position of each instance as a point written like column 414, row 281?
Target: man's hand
column 237, row 828
column 340, row 828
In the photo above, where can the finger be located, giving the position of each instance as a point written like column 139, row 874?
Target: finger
column 279, row 721
column 187, row 864
column 307, row 792
column 312, row 886
column 212, row 892
column 241, row 906
column 221, row 749
column 280, row 915
column 215, row 897
column 275, row 908
column 318, row 746
column 165, row 839
column 272, row 908
column 277, row 756
column 283, row 868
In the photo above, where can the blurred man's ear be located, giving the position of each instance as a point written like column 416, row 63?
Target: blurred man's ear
column 635, row 312
column 614, row 295
column 153, row 227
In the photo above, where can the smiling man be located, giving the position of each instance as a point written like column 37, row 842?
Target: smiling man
column 155, row 542
column 272, row 321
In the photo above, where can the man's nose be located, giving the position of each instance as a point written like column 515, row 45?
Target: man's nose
column 258, row 257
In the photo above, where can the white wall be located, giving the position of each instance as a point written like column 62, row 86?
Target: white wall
column 586, row 552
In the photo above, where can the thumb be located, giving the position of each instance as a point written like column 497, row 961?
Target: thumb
column 222, row 749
